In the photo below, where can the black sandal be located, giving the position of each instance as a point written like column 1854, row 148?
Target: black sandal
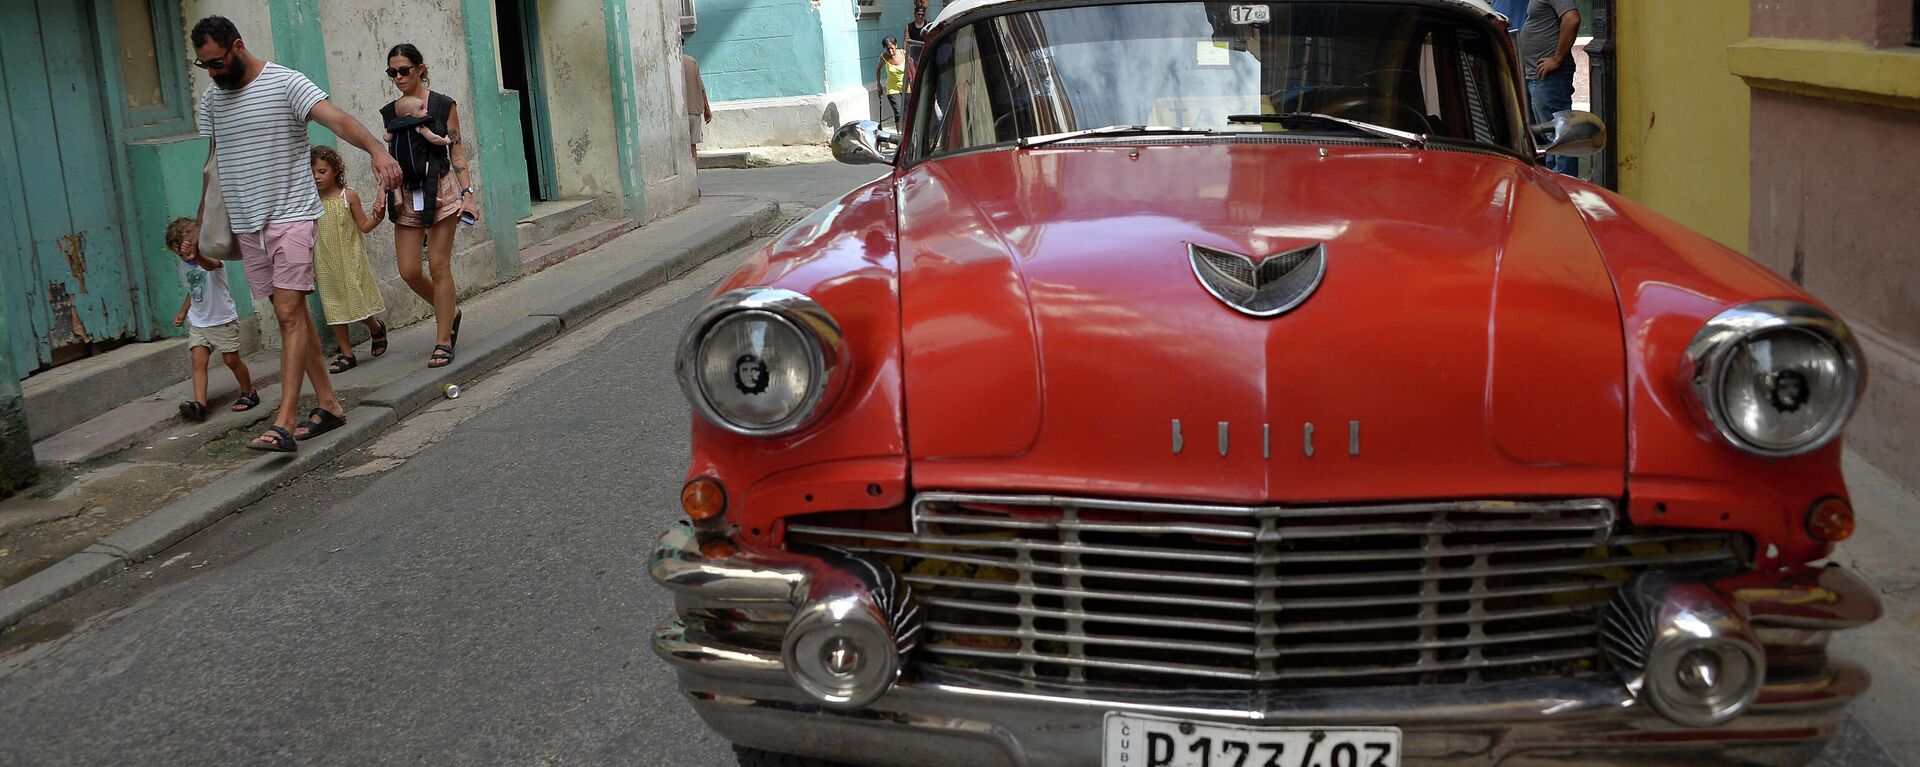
column 342, row 364
column 280, row 441
column 442, row 356
column 247, row 401
column 453, row 336
column 193, row 410
column 318, row 422
column 379, row 340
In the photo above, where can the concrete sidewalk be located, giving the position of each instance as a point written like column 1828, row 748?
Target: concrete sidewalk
column 105, row 514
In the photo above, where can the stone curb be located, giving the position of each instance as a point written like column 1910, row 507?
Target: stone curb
column 242, row 487
column 56, row 583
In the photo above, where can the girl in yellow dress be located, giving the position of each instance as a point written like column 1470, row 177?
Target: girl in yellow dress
column 348, row 293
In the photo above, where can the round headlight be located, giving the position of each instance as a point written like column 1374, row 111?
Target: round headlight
column 755, row 369
column 761, row 361
column 1775, row 378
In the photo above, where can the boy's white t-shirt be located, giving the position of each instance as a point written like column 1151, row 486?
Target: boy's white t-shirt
column 212, row 303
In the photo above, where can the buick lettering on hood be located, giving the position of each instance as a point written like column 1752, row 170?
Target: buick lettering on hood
column 1229, row 384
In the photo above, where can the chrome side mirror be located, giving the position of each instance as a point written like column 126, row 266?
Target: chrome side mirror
column 1572, row 134
column 862, row 141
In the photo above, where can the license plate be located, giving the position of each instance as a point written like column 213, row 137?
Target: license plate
column 1151, row 741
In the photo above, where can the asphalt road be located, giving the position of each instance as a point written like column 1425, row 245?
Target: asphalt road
column 468, row 589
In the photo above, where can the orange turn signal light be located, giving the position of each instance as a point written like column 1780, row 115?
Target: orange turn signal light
column 1831, row 520
column 703, row 499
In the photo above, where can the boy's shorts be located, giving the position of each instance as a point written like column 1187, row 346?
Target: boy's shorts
column 220, row 338
column 278, row 256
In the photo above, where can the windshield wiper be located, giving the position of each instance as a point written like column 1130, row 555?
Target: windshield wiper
column 1136, row 130
column 1416, row 140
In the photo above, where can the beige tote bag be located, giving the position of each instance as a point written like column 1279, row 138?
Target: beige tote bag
column 216, row 230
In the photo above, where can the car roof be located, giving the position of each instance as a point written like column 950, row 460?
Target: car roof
column 965, row 8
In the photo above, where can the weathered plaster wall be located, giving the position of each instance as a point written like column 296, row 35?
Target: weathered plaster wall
column 666, row 169
column 749, row 49
column 1684, row 134
column 573, row 42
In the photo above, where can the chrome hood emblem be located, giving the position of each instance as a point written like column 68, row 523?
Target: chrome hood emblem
column 1270, row 288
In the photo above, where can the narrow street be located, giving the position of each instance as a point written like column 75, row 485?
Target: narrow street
column 470, row 588
column 484, row 599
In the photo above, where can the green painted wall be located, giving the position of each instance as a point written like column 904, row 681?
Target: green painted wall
column 299, row 43
column 750, row 49
column 495, row 112
column 626, row 110
column 840, row 47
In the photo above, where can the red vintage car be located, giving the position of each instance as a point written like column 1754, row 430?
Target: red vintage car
column 1228, row 384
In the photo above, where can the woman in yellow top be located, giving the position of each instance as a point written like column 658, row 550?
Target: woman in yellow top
column 348, row 293
column 892, row 76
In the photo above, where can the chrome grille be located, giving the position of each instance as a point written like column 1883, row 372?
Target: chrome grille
column 1114, row 592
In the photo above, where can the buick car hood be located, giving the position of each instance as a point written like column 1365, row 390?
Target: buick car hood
column 1464, row 343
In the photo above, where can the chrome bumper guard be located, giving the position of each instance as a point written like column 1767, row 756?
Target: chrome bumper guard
column 729, row 645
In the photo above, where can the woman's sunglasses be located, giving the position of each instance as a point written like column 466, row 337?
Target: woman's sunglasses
column 401, row 72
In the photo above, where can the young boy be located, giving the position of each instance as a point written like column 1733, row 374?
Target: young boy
column 213, row 325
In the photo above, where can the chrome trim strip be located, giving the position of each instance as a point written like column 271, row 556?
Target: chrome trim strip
column 1602, row 507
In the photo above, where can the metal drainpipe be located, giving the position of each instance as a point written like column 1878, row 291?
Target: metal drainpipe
column 1603, row 81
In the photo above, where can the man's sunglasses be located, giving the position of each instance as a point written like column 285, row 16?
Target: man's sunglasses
column 401, row 72
column 222, row 62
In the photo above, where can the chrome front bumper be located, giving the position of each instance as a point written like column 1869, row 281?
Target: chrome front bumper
column 729, row 606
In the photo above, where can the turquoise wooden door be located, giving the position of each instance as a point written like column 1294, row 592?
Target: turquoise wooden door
column 66, row 268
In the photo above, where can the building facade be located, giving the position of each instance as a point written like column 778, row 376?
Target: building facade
column 784, row 72
column 1790, row 130
column 564, row 102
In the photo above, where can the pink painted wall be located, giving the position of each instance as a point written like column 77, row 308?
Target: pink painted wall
column 1834, row 194
column 1835, row 208
column 1875, row 22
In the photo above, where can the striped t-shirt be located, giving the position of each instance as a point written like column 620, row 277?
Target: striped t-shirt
column 260, row 142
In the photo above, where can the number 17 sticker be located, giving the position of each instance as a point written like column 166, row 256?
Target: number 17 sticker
column 1249, row 14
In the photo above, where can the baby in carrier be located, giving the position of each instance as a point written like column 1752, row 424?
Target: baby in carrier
column 419, row 145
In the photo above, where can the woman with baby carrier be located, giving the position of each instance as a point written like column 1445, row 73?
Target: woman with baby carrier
column 423, row 134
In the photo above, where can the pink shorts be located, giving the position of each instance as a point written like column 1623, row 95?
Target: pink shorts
column 279, row 256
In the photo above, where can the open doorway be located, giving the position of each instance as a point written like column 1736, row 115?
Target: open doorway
column 522, row 70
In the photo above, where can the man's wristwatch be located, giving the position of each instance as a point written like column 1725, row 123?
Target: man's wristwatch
column 466, row 191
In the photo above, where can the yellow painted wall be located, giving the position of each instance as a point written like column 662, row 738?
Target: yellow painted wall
column 1685, row 119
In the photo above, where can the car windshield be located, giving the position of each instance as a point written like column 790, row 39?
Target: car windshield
column 1221, row 68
